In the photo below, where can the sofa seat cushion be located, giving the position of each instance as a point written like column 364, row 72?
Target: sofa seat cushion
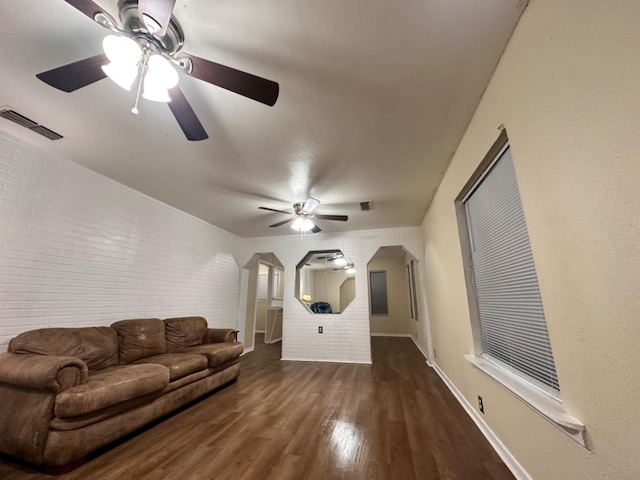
column 109, row 387
column 217, row 353
column 179, row 364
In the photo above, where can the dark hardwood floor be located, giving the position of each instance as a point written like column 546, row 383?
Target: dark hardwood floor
column 307, row 420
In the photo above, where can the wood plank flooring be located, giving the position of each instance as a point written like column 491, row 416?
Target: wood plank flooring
column 394, row 419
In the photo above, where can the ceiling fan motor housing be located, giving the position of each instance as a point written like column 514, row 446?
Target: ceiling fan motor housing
column 170, row 43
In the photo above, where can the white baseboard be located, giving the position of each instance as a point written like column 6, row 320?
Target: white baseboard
column 415, row 340
column 324, row 361
column 507, row 457
column 276, row 340
column 247, row 350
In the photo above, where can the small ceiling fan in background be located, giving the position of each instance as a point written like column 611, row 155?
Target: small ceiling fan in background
column 302, row 217
column 146, row 47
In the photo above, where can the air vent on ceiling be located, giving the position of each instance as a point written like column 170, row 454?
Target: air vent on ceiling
column 23, row 121
column 366, row 206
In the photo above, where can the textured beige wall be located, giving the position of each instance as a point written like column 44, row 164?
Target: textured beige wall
column 399, row 318
column 568, row 91
column 261, row 315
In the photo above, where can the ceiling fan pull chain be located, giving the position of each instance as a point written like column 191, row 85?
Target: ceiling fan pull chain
column 143, row 71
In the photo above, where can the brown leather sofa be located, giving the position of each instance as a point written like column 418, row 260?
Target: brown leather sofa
column 65, row 392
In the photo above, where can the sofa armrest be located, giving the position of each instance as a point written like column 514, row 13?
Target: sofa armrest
column 217, row 335
column 42, row 372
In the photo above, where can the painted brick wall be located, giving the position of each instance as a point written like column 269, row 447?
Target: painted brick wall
column 346, row 336
column 79, row 249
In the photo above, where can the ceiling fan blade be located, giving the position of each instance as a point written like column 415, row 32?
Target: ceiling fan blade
column 284, row 222
column 310, row 205
column 250, row 86
column 157, row 10
column 185, row 116
column 340, row 218
column 77, row 74
column 274, row 210
column 90, row 9
column 316, row 229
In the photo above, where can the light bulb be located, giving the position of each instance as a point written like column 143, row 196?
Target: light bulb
column 340, row 261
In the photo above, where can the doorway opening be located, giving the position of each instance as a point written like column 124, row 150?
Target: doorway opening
column 265, row 292
column 392, row 278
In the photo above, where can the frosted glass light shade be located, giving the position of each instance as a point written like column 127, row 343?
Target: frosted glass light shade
column 160, row 77
column 123, row 75
column 302, row 224
column 121, row 49
column 124, row 55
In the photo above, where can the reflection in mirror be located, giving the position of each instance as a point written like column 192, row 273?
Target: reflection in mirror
column 278, row 283
column 325, row 281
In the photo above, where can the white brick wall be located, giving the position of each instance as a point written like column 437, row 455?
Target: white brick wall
column 79, row 249
column 346, row 336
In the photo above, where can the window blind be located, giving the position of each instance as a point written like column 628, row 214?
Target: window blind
column 512, row 323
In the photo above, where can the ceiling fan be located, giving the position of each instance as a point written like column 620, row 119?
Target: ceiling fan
column 146, row 47
column 303, row 217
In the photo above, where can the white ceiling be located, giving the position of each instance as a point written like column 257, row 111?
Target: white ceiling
column 374, row 97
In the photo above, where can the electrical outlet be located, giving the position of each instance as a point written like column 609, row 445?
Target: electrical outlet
column 480, row 404
column 319, row 329
column 435, row 355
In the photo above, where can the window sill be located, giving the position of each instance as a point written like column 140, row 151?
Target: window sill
column 550, row 408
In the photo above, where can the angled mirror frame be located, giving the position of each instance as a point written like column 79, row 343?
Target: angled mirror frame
column 325, row 282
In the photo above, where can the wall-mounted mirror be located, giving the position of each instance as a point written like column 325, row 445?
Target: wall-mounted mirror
column 325, row 281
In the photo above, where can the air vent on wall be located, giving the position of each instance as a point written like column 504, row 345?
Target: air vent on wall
column 23, row 121
column 366, row 206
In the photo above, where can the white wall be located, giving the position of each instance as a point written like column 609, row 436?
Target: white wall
column 568, row 91
column 346, row 336
column 79, row 249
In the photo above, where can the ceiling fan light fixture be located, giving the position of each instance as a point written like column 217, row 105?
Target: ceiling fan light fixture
column 340, row 261
column 302, row 224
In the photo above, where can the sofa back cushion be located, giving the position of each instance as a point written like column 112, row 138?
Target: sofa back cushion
column 184, row 332
column 139, row 338
column 96, row 346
